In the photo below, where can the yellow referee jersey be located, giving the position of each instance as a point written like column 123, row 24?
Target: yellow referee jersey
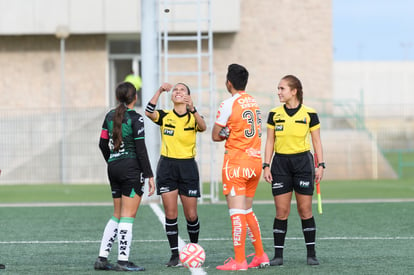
column 178, row 134
column 292, row 128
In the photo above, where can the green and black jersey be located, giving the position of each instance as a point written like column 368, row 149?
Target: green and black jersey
column 133, row 140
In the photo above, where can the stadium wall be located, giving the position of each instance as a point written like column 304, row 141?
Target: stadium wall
column 271, row 38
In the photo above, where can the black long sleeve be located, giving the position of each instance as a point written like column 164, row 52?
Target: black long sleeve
column 142, row 157
column 103, row 145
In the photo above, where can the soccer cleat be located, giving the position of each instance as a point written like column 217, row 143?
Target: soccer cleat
column 103, row 264
column 231, row 264
column 174, row 261
column 2, row 266
column 312, row 261
column 260, row 262
column 276, row 261
column 129, row 266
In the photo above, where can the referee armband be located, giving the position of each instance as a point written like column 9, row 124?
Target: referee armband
column 150, row 107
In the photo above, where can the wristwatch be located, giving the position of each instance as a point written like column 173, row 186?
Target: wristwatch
column 265, row 165
column 321, row 164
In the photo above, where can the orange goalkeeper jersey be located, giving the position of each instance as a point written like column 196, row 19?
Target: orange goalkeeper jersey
column 241, row 114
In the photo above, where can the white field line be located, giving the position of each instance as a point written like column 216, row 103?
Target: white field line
column 63, row 204
column 213, row 240
column 161, row 217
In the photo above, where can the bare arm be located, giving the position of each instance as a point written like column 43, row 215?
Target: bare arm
column 151, row 186
column 317, row 147
column 165, row 87
column 269, row 149
column 215, row 133
column 201, row 124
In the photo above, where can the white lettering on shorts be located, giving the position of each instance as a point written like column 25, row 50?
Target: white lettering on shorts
column 234, row 172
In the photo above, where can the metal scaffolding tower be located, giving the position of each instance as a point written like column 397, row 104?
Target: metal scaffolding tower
column 186, row 55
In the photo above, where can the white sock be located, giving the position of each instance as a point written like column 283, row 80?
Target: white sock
column 108, row 237
column 124, row 237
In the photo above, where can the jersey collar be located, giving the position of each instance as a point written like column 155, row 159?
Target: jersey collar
column 177, row 114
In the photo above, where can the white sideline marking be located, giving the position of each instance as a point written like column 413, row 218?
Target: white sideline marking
column 64, row 204
column 212, row 240
column 161, row 217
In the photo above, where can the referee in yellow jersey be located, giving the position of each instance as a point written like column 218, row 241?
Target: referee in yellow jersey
column 177, row 171
column 288, row 149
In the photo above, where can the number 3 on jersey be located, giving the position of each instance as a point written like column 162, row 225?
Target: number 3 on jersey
column 254, row 120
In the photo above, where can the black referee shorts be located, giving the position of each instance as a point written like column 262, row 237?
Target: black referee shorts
column 125, row 178
column 293, row 172
column 181, row 174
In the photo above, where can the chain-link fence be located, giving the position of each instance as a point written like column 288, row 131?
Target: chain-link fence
column 51, row 146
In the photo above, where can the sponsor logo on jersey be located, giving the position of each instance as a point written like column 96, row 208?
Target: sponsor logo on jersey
column 247, row 102
column 279, row 128
column 168, row 132
column 140, row 131
column 251, row 152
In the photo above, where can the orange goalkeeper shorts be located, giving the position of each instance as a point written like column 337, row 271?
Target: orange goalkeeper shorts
column 241, row 176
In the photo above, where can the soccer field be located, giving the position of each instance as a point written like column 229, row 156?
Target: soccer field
column 352, row 238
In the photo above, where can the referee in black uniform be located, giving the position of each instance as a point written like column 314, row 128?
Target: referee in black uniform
column 289, row 129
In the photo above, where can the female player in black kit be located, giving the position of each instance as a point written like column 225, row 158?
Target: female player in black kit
column 123, row 147
column 177, row 172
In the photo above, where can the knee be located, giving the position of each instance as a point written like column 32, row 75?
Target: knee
column 282, row 214
column 191, row 217
column 305, row 216
column 305, row 213
column 171, row 212
column 171, row 216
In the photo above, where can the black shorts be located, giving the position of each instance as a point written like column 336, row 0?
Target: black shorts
column 125, row 178
column 293, row 172
column 181, row 174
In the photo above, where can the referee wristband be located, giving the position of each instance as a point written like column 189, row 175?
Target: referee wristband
column 265, row 165
column 150, row 107
column 194, row 111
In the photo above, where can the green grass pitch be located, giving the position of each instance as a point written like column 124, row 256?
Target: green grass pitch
column 352, row 238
